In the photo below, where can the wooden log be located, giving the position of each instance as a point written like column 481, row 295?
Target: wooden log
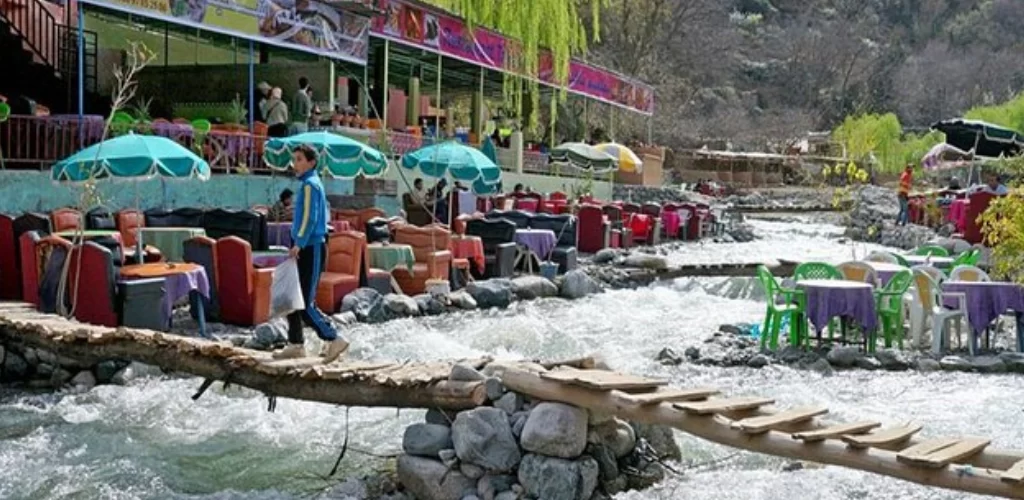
column 831, row 452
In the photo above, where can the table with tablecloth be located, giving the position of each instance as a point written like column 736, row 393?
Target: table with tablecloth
column 527, row 204
column 279, row 234
column 827, row 299
column 170, row 240
column 958, row 213
column 886, row 270
column 269, row 258
column 181, row 280
column 178, row 132
column 934, row 261
column 534, row 243
column 390, row 256
column 471, row 248
column 985, row 302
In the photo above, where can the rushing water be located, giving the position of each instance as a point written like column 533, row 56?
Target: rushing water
column 149, row 440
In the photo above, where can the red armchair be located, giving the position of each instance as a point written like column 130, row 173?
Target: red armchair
column 243, row 290
column 344, row 260
column 10, row 277
column 645, row 228
column 622, row 233
column 978, row 203
column 66, row 219
column 431, row 263
column 51, row 254
column 30, row 267
column 595, row 230
column 128, row 222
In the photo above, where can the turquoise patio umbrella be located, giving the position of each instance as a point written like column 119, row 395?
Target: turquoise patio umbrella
column 131, row 157
column 339, row 156
column 459, row 161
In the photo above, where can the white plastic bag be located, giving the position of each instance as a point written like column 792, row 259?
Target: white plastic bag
column 286, row 290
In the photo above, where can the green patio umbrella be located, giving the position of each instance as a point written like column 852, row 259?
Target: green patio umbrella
column 339, row 156
column 131, row 156
column 983, row 138
column 583, row 156
column 459, row 161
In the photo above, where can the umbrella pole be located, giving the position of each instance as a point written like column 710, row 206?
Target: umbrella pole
column 437, row 114
column 252, row 95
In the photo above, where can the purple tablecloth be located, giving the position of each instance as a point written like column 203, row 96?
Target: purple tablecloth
column 827, row 299
column 886, row 270
column 268, row 259
column 279, row 234
column 986, row 301
column 538, row 241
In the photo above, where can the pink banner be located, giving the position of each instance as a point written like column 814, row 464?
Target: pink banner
column 483, row 47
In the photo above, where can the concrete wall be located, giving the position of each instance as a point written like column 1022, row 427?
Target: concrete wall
column 22, row 191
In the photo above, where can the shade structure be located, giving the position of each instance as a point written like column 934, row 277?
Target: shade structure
column 984, row 138
column 943, row 156
column 583, row 156
column 458, row 161
column 338, row 156
column 626, row 159
column 131, row 157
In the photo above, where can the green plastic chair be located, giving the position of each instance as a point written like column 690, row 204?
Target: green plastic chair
column 968, row 258
column 777, row 310
column 122, row 123
column 889, row 306
column 900, row 260
column 816, row 271
column 200, row 129
column 931, row 251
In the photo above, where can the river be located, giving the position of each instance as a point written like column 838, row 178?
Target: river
column 149, row 440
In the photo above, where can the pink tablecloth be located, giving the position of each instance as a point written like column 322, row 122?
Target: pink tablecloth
column 671, row 221
column 958, row 214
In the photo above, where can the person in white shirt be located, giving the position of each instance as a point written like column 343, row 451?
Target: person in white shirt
column 992, row 186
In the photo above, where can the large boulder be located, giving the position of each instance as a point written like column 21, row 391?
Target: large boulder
column 577, row 284
column 557, row 478
column 483, row 436
column 462, row 300
column 367, row 304
column 645, row 261
column 555, row 430
column 428, row 304
column 491, row 293
column 429, row 479
column 533, row 287
column 426, row 440
column 844, row 357
column 605, row 256
column 401, row 305
column 15, row 367
column 269, row 335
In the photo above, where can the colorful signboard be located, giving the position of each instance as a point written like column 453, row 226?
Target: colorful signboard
column 308, row 25
column 411, row 24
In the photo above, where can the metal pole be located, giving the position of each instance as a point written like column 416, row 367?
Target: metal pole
column 437, row 116
column 586, row 123
column 650, row 129
column 252, row 91
column 480, row 109
column 384, row 111
column 332, row 90
column 81, row 74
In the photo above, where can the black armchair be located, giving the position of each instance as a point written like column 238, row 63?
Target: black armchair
column 567, row 233
column 498, row 237
column 248, row 225
column 100, row 219
column 179, row 217
column 377, row 230
column 518, row 217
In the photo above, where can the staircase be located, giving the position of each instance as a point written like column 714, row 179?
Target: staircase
column 39, row 56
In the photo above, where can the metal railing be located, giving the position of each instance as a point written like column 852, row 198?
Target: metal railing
column 67, row 60
column 33, row 22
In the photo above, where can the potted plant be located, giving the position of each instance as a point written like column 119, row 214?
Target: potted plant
column 236, row 113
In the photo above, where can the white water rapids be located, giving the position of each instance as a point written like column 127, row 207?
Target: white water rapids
column 149, row 440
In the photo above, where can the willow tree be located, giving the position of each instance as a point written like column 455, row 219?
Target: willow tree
column 555, row 25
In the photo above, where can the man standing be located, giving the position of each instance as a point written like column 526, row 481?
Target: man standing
column 309, row 237
column 301, row 108
column 906, row 180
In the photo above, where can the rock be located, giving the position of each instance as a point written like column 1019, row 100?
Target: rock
column 607, row 465
column 105, row 370
column 556, row 478
column 269, row 335
column 868, row 363
column 555, row 430
column 367, row 304
column 401, row 305
column 644, row 261
column 668, row 357
column 509, row 403
column 955, row 364
column 604, row 256
column 927, row 365
column 533, row 287
column 84, row 380
column 462, row 372
column 518, row 423
column 59, row 377
column 660, row 438
column 47, row 357
column 135, row 370
column 462, row 300
column 617, row 485
column 494, row 388
column 428, row 304
column 730, row 329
column 793, row 467
column 597, row 418
column 988, row 364
column 507, row 495
column 618, row 435
column 577, row 284
column 758, row 361
column 44, row 370
column 791, row 354
column 844, row 357
column 491, row 485
column 471, row 471
column 821, row 366
column 439, row 417
column 428, row 479
column 892, row 360
column 483, row 436
column 15, row 367
column 2, row 352
column 449, row 458
column 491, row 293
column 646, row 476
column 692, row 353
column 426, row 440
column 1014, row 361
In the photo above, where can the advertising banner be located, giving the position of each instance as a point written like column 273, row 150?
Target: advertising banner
column 307, row 25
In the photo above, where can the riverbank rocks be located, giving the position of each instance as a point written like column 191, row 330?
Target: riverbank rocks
column 522, row 448
column 533, row 287
column 873, row 219
column 491, row 293
column 367, row 304
column 576, row 284
column 401, row 305
column 645, row 261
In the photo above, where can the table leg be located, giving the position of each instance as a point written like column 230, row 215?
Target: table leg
column 196, row 303
column 396, row 287
column 1020, row 332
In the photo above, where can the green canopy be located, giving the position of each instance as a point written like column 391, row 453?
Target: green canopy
column 583, row 156
column 130, row 157
column 339, row 156
column 461, row 162
column 983, row 138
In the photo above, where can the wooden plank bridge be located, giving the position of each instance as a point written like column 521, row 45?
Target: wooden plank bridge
column 967, row 464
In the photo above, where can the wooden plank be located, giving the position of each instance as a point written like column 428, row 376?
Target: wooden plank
column 671, row 396
column 1014, row 474
column 835, row 432
column 759, row 425
column 603, row 380
column 936, row 453
column 894, row 435
column 724, row 405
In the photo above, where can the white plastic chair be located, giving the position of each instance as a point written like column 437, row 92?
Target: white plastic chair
column 936, row 274
column 859, row 272
column 886, row 257
column 930, row 303
column 968, row 273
